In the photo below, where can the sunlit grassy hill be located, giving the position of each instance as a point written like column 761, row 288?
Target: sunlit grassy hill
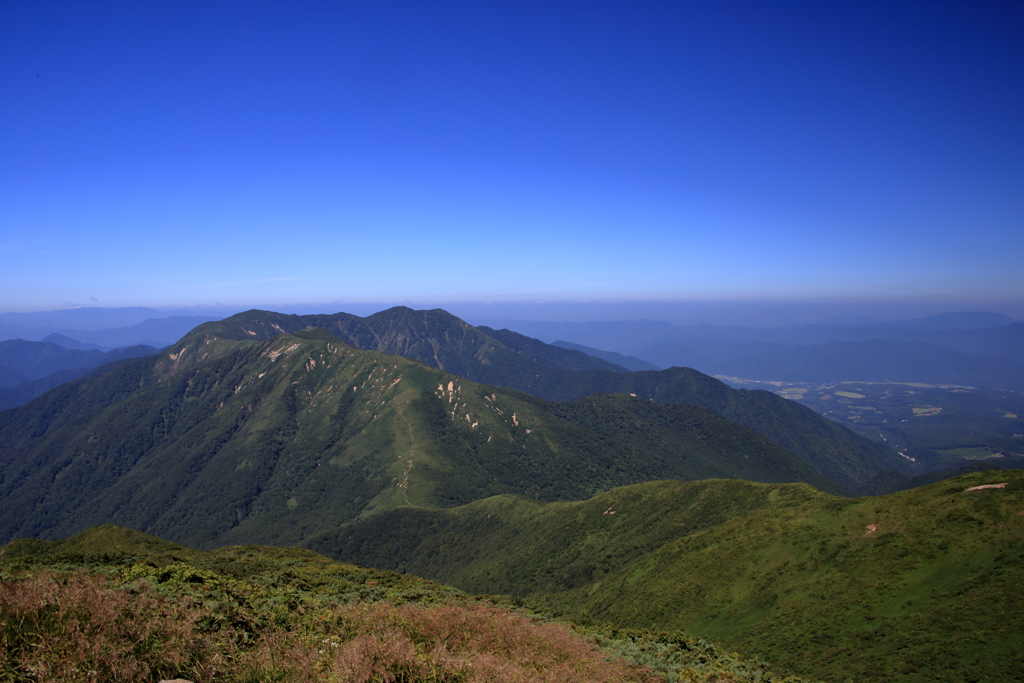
column 920, row 585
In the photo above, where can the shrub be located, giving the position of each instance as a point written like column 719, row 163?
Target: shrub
column 68, row 628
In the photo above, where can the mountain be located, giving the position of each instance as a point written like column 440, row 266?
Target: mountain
column 88, row 331
column 920, row 585
column 221, row 440
column 629, row 362
column 1006, row 340
column 616, row 335
column 34, row 360
column 974, row 320
column 29, row 369
column 69, row 343
column 158, row 332
column 10, row 377
column 83, row 317
column 435, row 337
column 992, row 334
column 877, row 360
column 505, row 358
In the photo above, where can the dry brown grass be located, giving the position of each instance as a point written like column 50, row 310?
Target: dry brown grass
column 80, row 628
column 69, row 628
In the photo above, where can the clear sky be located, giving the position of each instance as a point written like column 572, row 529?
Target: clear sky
column 184, row 153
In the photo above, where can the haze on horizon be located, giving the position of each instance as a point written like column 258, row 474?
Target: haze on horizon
column 849, row 158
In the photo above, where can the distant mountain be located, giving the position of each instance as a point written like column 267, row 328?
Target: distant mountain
column 952, row 321
column 224, row 439
column 506, row 358
column 81, row 318
column 875, row 360
column 23, row 392
column 629, row 362
column 818, row 585
column 1007, row 340
column 29, row 369
column 435, row 337
column 34, row 360
column 509, row 359
column 69, row 343
column 10, row 377
column 157, row 332
column 620, row 336
column 974, row 333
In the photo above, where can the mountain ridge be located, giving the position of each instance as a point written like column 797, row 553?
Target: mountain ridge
column 914, row 586
column 218, row 440
column 512, row 360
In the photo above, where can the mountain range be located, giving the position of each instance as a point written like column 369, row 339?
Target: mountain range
column 49, row 326
column 31, row 368
column 976, row 349
column 876, row 360
column 244, row 440
column 491, row 461
column 506, row 358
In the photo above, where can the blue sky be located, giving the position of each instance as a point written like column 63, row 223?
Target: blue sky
column 177, row 153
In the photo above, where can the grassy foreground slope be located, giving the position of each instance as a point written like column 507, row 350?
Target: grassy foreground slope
column 921, row 585
column 114, row 605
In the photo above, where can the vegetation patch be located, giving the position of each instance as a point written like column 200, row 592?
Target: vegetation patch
column 848, row 394
column 916, row 586
column 112, row 605
column 926, row 410
column 978, row 453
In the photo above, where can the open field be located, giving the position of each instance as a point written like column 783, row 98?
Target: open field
column 937, row 426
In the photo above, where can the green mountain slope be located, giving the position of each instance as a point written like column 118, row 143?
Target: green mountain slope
column 505, row 358
column 628, row 362
column 916, row 586
column 225, row 441
column 434, row 337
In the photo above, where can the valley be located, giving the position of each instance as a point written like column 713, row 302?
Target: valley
column 941, row 427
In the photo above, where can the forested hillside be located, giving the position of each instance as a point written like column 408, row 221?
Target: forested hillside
column 221, row 441
column 504, row 358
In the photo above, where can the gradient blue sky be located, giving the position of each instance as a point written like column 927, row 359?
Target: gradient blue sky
column 178, row 153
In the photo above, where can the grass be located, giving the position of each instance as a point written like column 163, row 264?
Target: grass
column 926, row 410
column 113, row 605
column 914, row 586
